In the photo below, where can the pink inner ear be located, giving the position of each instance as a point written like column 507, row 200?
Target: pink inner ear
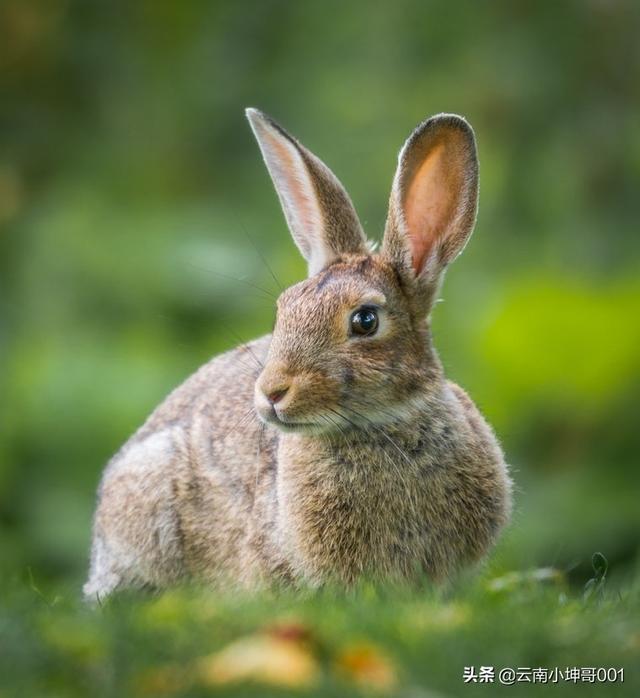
column 429, row 203
column 293, row 184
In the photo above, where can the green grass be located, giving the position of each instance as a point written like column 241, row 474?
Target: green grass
column 404, row 643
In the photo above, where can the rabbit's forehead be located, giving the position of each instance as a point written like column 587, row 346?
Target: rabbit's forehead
column 334, row 290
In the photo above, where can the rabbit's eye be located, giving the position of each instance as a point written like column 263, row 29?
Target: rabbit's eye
column 364, row 321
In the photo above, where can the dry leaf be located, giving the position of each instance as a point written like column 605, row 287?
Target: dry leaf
column 367, row 666
column 271, row 659
column 291, row 630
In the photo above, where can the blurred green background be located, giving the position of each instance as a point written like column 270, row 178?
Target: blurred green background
column 135, row 212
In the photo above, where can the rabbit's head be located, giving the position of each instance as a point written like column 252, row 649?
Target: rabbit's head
column 351, row 343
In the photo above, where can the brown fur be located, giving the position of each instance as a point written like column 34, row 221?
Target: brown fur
column 371, row 464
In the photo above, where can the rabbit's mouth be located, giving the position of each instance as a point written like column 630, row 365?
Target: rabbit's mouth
column 297, row 427
column 289, row 425
column 286, row 425
column 290, row 407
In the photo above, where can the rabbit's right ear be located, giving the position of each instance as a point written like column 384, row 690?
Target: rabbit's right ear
column 318, row 210
column 433, row 202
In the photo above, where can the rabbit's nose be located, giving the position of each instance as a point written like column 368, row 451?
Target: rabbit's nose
column 274, row 396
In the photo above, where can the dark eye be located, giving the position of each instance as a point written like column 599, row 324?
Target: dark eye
column 364, row 321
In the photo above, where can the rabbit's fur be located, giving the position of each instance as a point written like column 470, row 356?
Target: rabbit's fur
column 316, row 455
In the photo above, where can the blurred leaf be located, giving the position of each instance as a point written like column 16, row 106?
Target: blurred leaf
column 270, row 659
column 161, row 681
column 514, row 580
column 594, row 588
column 560, row 344
column 368, row 666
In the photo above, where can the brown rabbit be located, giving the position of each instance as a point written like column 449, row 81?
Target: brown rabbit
column 334, row 449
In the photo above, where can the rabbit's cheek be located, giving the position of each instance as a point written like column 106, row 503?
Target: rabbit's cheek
column 309, row 395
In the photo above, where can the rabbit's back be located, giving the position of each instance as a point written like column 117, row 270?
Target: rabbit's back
column 221, row 390
column 176, row 500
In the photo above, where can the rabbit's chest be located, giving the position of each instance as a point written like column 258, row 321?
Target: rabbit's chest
column 358, row 520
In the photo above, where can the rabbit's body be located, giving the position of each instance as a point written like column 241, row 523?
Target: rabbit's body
column 312, row 456
column 292, row 507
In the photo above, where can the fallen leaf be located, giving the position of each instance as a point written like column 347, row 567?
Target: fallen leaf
column 290, row 630
column 367, row 666
column 270, row 659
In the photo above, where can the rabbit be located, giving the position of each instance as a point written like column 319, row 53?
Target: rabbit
column 333, row 450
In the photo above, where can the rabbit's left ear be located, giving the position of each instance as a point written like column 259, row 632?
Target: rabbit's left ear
column 318, row 210
column 433, row 202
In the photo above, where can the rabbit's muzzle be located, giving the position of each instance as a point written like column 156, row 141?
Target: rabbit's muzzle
column 275, row 393
column 290, row 402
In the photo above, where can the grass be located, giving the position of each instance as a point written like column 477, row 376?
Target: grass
column 192, row 642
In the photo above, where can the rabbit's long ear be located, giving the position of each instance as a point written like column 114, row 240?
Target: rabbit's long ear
column 433, row 202
column 318, row 210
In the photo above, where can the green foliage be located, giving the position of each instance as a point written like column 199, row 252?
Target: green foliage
column 595, row 586
column 418, row 643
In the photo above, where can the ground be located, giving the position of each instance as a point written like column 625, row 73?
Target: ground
column 192, row 642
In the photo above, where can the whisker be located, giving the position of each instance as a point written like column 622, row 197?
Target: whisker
column 261, row 432
column 329, row 420
column 393, row 416
column 249, row 369
column 381, row 432
column 346, row 419
column 270, row 294
column 242, row 422
column 243, row 344
column 262, row 257
column 399, row 473
column 253, row 355
column 327, row 435
column 401, row 476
